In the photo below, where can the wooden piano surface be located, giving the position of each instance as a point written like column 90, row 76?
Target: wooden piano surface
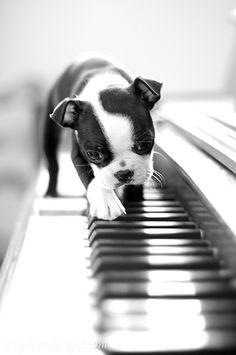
column 164, row 279
column 45, row 307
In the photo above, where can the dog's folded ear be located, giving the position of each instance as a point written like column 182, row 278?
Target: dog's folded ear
column 149, row 91
column 67, row 112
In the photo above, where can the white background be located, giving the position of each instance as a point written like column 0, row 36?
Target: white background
column 187, row 44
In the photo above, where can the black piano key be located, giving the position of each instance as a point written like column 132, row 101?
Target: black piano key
column 155, row 262
column 161, row 250
column 141, row 224
column 153, row 209
column 162, row 216
column 142, row 233
column 130, row 242
column 166, row 289
column 164, row 275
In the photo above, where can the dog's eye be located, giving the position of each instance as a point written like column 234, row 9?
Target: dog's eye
column 95, row 156
column 143, row 147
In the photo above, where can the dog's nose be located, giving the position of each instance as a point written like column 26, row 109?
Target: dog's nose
column 124, row 175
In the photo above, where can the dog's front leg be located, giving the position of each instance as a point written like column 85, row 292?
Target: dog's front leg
column 104, row 203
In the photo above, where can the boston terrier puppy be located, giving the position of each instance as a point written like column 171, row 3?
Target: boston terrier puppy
column 112, row 130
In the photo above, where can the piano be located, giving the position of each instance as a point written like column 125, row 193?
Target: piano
column 159, row 280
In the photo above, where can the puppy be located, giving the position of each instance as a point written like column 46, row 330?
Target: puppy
column 112, row 130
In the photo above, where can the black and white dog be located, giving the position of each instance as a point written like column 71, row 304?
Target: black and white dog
column 112, row 130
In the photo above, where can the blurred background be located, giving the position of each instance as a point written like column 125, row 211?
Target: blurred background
column 189, row 45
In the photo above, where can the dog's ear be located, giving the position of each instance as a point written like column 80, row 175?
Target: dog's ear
column 149, row 91
column 67, row 112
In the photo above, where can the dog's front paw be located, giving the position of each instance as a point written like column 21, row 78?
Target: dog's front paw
column 104, row 204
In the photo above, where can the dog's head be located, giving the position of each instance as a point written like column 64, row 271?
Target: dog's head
column 114, row 130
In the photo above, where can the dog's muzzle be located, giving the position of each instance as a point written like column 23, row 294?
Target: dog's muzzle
column 124, row 176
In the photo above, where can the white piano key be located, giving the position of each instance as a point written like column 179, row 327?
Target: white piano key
column 188, row 338
column 175, row 306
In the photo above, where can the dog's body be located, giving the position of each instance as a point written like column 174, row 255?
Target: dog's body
column 112, row 130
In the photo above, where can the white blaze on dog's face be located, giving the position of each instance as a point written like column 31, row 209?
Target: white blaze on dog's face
column 120, row 147
column 126, row 166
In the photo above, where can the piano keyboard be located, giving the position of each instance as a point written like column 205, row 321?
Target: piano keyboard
column 162, row 284
column 159, row 280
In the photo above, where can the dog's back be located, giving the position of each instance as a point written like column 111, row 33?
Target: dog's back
column 75, row 77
